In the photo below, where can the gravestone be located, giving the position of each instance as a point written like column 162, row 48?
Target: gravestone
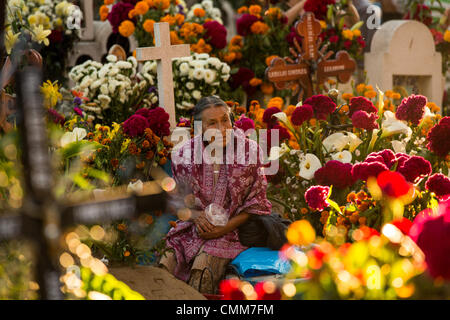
column 405, row 49
column 87, row 30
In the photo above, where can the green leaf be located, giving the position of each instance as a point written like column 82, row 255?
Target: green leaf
column 357, row 25
column 341, row 23
column 75, row 148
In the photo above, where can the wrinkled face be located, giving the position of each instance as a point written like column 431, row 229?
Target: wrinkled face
column 217, row 118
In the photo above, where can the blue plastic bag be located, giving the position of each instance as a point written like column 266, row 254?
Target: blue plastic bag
column 258, row 261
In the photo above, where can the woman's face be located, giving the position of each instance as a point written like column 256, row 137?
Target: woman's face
column 217, row 118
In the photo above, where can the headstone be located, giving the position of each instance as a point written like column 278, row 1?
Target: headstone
column 87, row 31
column 405, row 48
column 164, row 52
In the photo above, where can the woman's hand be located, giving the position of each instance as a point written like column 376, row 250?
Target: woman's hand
column 202, row 224
column 215, row 233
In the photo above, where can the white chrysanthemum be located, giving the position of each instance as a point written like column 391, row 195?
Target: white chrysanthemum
column 104, row 99
column 97, row 83
column 207, row 4
column 184, row 69
column 113, row 71
column 198, row 74
column 133, row 61
column 210, row 76
column 104, row 89
column 111, row 58
column 202, row 56
column 124, row 65
column 216, row 14
column 86, row 82
column 309, row 165
column 190, row 85
column 225, row 68
column 197, row 95
column 216, row 63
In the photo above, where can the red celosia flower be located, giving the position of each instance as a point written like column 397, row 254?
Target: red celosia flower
column 334, row 39
column 135, row 125
column 56, row 117
column 245, row 123
column 262, row 294
column 268, row 113
column 316, row 197
column 431, row 233
column 158, row 121
column 230, row 289
column 216, row 34
column 119, row 13
column 363, row 120
column 364, row 170
column 439, row 184
column 361, row 103
column 335, row 173
column 322, row 105
column 422, row 14
column 293, row 35
column 387, row 154
column 412, row 109
column 415, row 169
column 403, row 224
column 302, row 114
column 401, row 158
column 244, row 23
column 393, row 184
column 318, row 7
column 242, row 78
column 438, row 140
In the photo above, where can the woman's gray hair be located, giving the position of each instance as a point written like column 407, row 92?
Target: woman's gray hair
column 208, row 102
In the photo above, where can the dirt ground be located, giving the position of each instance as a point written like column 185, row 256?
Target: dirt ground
column 155, row 283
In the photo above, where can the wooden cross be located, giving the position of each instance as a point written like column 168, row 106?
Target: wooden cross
column 310, row 66
column 164, row 52
column 42, row 219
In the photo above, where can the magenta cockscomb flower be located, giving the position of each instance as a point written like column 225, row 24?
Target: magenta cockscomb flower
column 316, row 197
column 363, row 120
column 412, row 109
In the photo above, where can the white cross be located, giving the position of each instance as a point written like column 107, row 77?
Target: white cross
column 164, row 52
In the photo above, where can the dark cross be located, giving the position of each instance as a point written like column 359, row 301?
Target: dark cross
column 310, row 67
column 42, row 219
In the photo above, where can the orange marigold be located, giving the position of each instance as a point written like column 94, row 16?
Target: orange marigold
column 169, row 19
column 108, row 2
column 243, row 9
column 254, row 10
column 360, row 88
column 275, row 102
column 370, row 94
column 141, row 7
column 174, row 38
column 289, row 110
column 179, row 18
column 396, row 96
column 140, row 165
column 255, row 82
column 201, row 47
column 259, row 28
column 267, row 88
column 148, row 25
column 229, row 57
column 161, row 4
column 126, row 28
column 237, row 41
column 269, row 59
column 199, row 12
column 104, row 11
column 126, row 253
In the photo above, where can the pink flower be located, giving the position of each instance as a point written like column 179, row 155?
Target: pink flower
column 336, row 174
column 415, row 169
column 135, row 125
column 412, row 109
column 388, row 157
column 432, row 234
column 268, row 113
column 216, row 34
column 363, row 120
column 158, row 121
column 302, row 114
column 322, row 105
column 316, row 197
column 361, row 103
column 364, row 170
column 244, row 123
column 393, row 184
column 439, row 184
column 56, row 117
column 438, row 141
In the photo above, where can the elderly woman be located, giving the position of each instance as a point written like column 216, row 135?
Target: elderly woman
column 239, row 187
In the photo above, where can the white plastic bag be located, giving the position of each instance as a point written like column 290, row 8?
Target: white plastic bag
column 216, row 215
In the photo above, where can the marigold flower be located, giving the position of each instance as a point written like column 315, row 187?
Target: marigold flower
column 174, row 38
column 433, row 107
column 347, row 34
column 351, row 197
column 126, row 28
column 255, row 82
column 161, row 4
column 356, row 33
column 370, row 94
column 396, row 96
column 237, row 40
column 360, row 88
column 108, row 2
column 254, row 10
column 141, row 8
column 171, row 20
column 267, row 88
column 323, row 24
column 199, row 12
column 259, row 28
column 347, row 96
column 447, row 35
column 269, row 59
column 179, row 18
column 121, row 227
column 104, row 11
column 149, row 25
column 126, row 253
column 243, row 9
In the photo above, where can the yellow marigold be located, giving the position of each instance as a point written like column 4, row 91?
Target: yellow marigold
column 254, row 10
column 199, row 12
column 323, row 24
column 201, row 47
column 255, row 82
column 370, row 94
column 141, row 7
column 360, row 88
column 104, row 11
column 388, row 93
column 344, row 109
column 289, row 110
column 161, row 4
column 396, row 95
column 275, row 102
column 259, row 27
column 242, row 10
column 150, row 3
column 237, row 41
column 347, row 96
column 132, row 13
column 369, row 87
column 273, row 12
column 433, row 107
column 267, row 88
column 347, row 34
column 126, row 28
column 174, row 38
column 169, row 19
column 179, row 18
column 269, row 59
column 108, row 2
column 149, row 25
column 447, row 35
column 356, row 32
